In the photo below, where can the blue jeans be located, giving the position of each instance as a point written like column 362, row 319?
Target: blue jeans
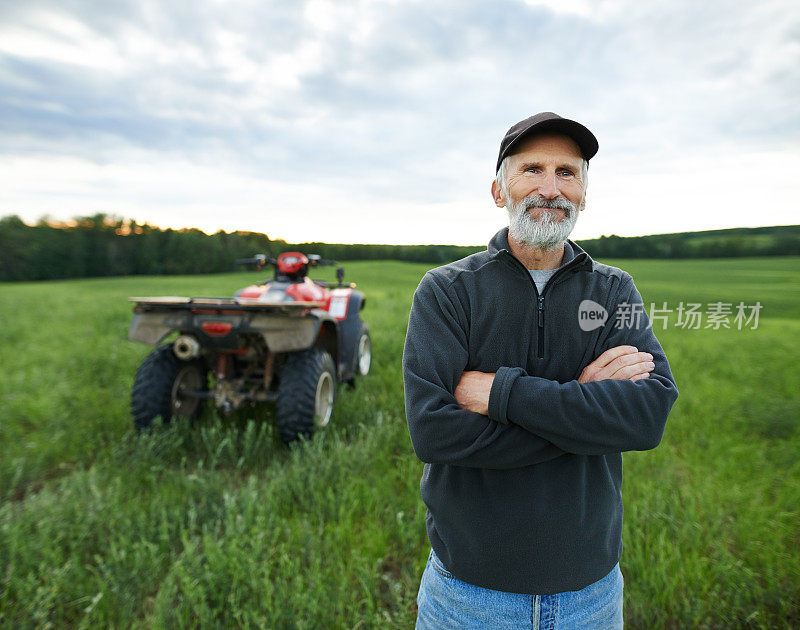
column 446, row 602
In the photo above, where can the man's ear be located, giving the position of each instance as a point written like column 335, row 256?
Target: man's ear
column 498, row 195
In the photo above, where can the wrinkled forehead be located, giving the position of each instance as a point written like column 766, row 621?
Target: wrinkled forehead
column 547, row 146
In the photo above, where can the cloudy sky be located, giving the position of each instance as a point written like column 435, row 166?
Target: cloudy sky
column 380, row 121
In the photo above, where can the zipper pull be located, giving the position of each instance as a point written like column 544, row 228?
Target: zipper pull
column 541, row 311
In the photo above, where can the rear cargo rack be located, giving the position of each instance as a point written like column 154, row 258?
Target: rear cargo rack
column 212, row 303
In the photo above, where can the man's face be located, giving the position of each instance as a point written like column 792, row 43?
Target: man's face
column 544, row 190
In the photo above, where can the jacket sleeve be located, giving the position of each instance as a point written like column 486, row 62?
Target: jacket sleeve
column 434, row 358
column 600, row 417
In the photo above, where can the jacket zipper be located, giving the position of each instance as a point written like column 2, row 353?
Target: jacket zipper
column 540, row 298
column 540, row 320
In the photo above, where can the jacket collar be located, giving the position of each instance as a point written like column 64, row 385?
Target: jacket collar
column 573, row 253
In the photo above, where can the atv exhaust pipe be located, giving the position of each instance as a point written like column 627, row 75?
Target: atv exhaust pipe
column 186, row 348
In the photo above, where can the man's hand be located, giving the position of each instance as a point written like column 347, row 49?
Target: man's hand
column 472, row 391
column 620, row 363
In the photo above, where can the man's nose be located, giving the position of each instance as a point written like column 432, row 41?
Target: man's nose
column 549, row 186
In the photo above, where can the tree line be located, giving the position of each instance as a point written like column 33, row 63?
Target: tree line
column 101, row 245
column 775, row 240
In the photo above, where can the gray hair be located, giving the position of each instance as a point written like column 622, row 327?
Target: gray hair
column 502, row 174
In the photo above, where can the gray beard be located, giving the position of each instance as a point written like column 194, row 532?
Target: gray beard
column 548, row 233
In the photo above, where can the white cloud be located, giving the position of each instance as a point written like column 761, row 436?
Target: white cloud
column 60, row 39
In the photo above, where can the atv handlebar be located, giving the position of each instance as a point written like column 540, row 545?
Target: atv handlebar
column 314, row 260
column 259, row 261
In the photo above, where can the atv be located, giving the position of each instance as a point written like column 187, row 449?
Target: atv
column 289, row 341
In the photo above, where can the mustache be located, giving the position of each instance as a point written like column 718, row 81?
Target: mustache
column 559, row 203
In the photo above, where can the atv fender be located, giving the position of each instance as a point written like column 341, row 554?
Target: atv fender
column 153, row 327
column 349, row 332
column 284, row 334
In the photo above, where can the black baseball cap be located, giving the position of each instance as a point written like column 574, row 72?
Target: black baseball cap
column 548, row 121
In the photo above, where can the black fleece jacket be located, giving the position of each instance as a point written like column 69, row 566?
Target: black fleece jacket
column 527, row 499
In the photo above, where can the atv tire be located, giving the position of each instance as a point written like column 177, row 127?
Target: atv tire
column 306, row 394
column 159, row 386
column 363, row 352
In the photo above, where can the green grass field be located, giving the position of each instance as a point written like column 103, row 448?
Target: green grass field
column 221, row 526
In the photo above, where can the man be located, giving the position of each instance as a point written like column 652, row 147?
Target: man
column 528, row 369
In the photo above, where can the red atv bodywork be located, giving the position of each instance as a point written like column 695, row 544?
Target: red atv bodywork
column 335, row 300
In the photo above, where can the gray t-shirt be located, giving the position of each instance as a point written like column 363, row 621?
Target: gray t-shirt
column 541, row 276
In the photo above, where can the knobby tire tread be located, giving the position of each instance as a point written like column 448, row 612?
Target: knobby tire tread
column 297, row 391
column 152, row 388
